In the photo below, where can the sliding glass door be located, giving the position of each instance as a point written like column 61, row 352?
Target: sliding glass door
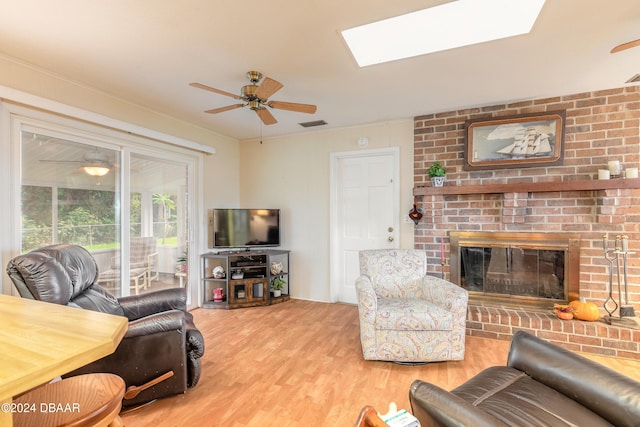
column 127, row 205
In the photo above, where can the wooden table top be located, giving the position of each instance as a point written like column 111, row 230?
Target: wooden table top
column 40, row 341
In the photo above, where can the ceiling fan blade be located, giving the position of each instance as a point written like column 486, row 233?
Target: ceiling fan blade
column 213, row 89
column 266, row 117
column 267, row 88
column 292, row 106
column 227, row 108
column 627, row 45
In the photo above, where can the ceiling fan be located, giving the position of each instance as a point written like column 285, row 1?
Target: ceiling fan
column 256, row 97
column 625, row 46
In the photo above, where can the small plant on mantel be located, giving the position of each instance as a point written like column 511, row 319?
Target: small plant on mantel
column 436, row 173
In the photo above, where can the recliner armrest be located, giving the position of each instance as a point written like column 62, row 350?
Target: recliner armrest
column 172, row 320
column 433, row 406
column 138, row 306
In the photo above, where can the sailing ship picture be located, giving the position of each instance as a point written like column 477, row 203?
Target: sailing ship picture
column 518, row 141
column 529, row 142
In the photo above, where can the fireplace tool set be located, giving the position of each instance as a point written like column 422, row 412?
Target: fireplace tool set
column 620, row 253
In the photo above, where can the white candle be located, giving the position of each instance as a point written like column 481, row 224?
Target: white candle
column 614, row 167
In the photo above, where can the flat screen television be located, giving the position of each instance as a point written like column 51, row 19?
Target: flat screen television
column 244, row 228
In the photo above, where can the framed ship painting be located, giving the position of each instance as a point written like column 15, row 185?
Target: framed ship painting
column 515, row 142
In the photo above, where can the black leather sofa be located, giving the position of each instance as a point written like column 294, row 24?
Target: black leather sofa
column 542, row 385
column 161, row 337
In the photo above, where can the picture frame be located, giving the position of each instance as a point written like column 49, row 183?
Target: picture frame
column 520, row 141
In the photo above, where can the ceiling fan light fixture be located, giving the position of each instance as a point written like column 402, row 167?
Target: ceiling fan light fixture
column 96, row 170
column 249, row 92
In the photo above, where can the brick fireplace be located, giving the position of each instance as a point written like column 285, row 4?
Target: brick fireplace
column 600, row 126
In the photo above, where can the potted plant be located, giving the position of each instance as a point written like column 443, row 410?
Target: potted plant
column 277, row 285
column 181, row 262
column 436, row 173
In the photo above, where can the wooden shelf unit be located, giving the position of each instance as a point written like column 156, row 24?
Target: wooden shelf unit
column 247, row 278
column 529, row 187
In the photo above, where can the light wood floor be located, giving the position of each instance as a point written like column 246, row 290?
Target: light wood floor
column 300, row 363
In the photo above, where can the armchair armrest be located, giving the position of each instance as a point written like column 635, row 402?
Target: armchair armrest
column 138, row 306
column 152, row 267
column 367, row 307
column 367, row 299
column 445, row 294
column 432, row 405
column 152, row 259
column 172, row 320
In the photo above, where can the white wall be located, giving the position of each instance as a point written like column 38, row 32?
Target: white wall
column 292, row 173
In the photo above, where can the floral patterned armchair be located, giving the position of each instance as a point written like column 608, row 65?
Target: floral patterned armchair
column 405, row 315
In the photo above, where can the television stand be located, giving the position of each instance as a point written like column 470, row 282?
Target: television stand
column 243, row 278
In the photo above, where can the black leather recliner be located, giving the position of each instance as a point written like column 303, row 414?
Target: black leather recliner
column 161, row 337
column 541, row 385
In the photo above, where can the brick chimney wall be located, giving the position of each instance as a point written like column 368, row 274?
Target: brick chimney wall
column 599, row 126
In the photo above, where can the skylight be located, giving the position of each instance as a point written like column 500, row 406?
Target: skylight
column 451, row 25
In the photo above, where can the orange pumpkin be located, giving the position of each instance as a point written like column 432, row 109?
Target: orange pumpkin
column 584, row 310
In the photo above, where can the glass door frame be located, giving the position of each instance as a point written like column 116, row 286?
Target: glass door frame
column 15, row 117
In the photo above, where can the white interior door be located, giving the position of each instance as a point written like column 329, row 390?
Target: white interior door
column 365, row 195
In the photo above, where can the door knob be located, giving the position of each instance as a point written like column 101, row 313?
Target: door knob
column 390, row 229
column 390, row 238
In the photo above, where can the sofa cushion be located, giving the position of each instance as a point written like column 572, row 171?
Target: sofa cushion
column 515, row 398
column 412, row 315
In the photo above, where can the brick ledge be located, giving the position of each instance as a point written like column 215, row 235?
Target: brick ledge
column 590, row 337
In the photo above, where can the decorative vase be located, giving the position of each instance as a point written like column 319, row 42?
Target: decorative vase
column 276, row 268
column 218, row 294
column 277, row 293
column 218, row 272
column 437, row 181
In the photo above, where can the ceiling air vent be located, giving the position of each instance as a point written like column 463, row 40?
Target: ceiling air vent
column 634, row 79
column 313, row 123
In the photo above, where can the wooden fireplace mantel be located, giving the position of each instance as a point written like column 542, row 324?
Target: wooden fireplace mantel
column 529, row 187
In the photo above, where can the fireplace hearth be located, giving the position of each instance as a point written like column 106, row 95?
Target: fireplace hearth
column 516, row 269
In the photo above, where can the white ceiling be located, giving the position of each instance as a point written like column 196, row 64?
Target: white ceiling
column 148, row 51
